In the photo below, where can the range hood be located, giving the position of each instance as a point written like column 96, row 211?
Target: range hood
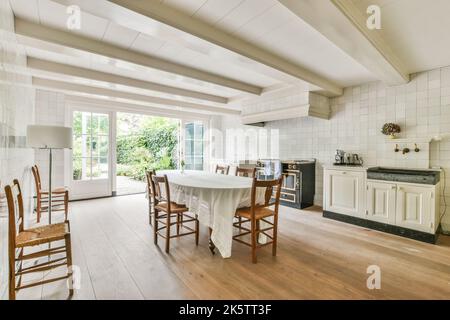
column 315, row 106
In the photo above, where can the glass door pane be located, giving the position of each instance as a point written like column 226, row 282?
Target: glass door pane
column 193, row 145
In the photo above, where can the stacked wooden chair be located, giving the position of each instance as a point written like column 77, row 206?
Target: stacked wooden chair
column 60, row 197
column 250, row 218
column 222, row 169
column 168, row 214
column 246, row 172
column 151, row 199
column 21, row 238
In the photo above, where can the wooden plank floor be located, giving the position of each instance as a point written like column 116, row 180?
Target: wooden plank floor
column 317, row 259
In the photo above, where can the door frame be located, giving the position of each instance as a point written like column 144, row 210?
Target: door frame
column 68, row 161
column 112, row 109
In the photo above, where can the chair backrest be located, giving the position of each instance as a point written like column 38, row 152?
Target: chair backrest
column 150, row 184
column 37, row 178
column 157, row 194
column 15, row 211
column 269, row 186
column 246, row 172
column 222, row 169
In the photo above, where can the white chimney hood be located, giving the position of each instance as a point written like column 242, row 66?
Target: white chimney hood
column 314, row 105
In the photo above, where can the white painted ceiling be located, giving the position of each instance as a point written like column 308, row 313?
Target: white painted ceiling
column 416, row 30
column 412, row 28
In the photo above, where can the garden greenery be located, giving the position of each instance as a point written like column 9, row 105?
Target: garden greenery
column 152, row 145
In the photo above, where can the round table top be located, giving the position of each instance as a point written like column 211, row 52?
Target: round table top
column 206, row 180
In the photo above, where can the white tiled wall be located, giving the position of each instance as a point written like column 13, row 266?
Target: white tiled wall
column 421, row 108
column 16, row 112
column 50, row 110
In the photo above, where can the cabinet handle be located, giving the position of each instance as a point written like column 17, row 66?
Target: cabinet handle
column 393, row 187
column 343, row 172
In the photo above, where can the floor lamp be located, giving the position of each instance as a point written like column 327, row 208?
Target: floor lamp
column 51, row 138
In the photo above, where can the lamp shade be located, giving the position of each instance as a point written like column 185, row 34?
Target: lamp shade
column 49, row 137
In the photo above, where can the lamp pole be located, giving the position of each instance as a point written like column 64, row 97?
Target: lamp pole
column 50, row 188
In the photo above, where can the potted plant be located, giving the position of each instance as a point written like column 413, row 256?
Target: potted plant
column 390, row 129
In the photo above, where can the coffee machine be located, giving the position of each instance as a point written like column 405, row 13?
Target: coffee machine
column 343, row 158
column 339, row 157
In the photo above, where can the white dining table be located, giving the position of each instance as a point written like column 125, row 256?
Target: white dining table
column 214, row 198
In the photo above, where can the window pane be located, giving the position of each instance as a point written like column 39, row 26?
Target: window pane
column 81, row 169
column 100, row 124
column 76, row 125
column 199, row 132
column 198, row 148
column 199, row 166
column 189, row 147
column 85, row 123
column 94, row 143
column 77, row 146
column 99, row 168
column 103, row 146
column 86, row 146
column 189, row 131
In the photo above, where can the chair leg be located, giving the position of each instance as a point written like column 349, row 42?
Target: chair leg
column 66, row 205
column 275, row 235
column 12, row 278
column 197, row 232
column 254, row 235
column 155, row 227
column 38, row 210
column 69, row 263
column 150, row 212
column 168, row 232
column 178, row 223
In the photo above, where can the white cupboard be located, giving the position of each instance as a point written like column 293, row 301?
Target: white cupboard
column 344, row 192
column 405, row 205
column 415, row 207
column 381, row 201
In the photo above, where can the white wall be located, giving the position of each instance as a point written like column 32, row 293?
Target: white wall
column 421, row 108
column 16, row 112
column 51, row 110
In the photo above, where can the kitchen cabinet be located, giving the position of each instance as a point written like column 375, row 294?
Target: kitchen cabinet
column 381, row 202
column 415, row 207
column 344, row 192
column 403, row 208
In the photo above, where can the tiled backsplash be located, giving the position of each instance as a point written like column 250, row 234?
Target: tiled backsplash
column 421, row 108
column 50, row 110
column 16, row 112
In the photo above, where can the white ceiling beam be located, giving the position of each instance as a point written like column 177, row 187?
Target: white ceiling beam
column 63, row 69
column 179, row 20
column 341, row 22
column 80, row 88
column 32, row 30
column 135, row 108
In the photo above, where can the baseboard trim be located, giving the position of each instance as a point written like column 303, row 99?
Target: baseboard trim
column 369, row 224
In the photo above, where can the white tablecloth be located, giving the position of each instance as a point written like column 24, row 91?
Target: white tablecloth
column 214, row 198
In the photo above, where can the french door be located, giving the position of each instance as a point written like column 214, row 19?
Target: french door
column 91, row 154
column 193, row 142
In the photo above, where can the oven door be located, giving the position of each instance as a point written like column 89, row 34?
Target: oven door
column 290, row 181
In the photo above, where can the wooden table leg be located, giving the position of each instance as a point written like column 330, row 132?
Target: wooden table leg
column 212, row 247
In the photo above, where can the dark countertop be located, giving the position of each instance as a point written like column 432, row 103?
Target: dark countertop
column 430, row 177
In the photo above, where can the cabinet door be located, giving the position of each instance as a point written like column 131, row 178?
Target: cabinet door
column 344, row 192
column 415, row 207
column 381, row 202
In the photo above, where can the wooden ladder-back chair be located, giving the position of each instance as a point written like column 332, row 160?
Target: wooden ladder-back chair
column 246, row 172
column 256, row 213
column 222, row 169
column 20, row 238
column 168, row 214
column 150, row 188
column 60, row 197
